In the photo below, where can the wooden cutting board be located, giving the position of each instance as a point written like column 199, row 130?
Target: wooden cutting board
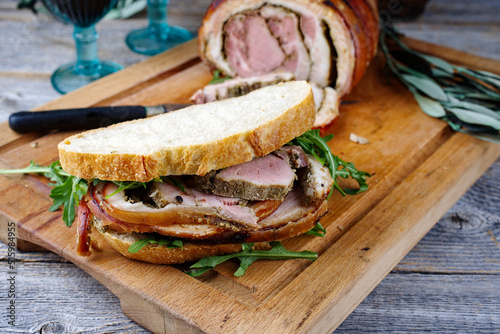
column 419, row 167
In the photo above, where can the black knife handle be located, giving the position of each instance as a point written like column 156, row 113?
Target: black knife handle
column 73, row 119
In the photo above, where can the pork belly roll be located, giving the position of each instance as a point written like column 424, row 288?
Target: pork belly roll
column 327, row 42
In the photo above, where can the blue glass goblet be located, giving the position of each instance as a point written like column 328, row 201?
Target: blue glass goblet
column 158, row 36
column 83, row 14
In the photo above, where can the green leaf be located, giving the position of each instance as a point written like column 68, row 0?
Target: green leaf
column 247, row 256
column 426, row 86
column 124, row 185
column 67, row 189
column 318, row 231
column 470, row 98
column 429, row 106
column 439, row 73
column 439, row 63
column 175, row 183
column 217, row 78
column 176, row 244
column 245, row 262
column 139, row 244
column 488, row 74
column 475, row 118
column 312, row 143
column 454, row 102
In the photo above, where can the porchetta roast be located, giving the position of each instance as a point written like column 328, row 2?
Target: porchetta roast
column 260, row 42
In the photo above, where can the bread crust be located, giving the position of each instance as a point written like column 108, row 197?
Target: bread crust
column 190, row 159
column 154, row 253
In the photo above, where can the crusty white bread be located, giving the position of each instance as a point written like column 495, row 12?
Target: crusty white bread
column 162, row 254
column 194, row 140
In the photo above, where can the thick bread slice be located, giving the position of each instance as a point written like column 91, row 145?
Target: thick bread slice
column 194, row 140
column 162, row 254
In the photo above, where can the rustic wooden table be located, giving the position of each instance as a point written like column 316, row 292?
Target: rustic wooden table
column 448, row 283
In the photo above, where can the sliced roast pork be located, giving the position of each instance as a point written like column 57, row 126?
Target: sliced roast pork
column 316, row 181
column 189, row 207
column 238, row 86
column 326, row 98
column 265, row 178
column 293, row 217
column 295, row 155
column 261, row 202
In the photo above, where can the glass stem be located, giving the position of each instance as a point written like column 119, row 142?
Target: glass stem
column 87, row 62
column 157, row 16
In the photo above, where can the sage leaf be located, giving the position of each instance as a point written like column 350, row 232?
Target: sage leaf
column 439, row 63
column 468, row 100
column 426, row 86
column 437, row 72
column 475, row 118
column 488, row 74
column 454, row 102
column 429, row 106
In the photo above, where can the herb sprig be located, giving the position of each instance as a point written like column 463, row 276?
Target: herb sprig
column 247, row 256
column 124, row 185
column 312, row 143
column 318, row 231
column 217, row 78
column 468, row 100
column 68, row 189
column 141, row 243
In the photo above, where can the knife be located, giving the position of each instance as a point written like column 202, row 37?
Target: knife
column 83, row 118
column 88, row 118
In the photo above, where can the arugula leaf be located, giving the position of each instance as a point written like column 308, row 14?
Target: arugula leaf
column 140, row 244
column 247, row 256
column 68, row 189
column 124, row 185
column 312, row 143
column 175, row 183
column 217, row 78
column 318, row 231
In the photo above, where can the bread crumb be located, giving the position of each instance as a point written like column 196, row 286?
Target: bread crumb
column 34, row 144
column 357, row 139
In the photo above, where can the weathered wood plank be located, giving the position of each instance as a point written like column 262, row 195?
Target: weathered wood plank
column 418, row 303
column 465, row 240
column 402, row 303
column 398, row 304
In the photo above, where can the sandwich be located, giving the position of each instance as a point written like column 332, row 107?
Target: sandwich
column 207, row 180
